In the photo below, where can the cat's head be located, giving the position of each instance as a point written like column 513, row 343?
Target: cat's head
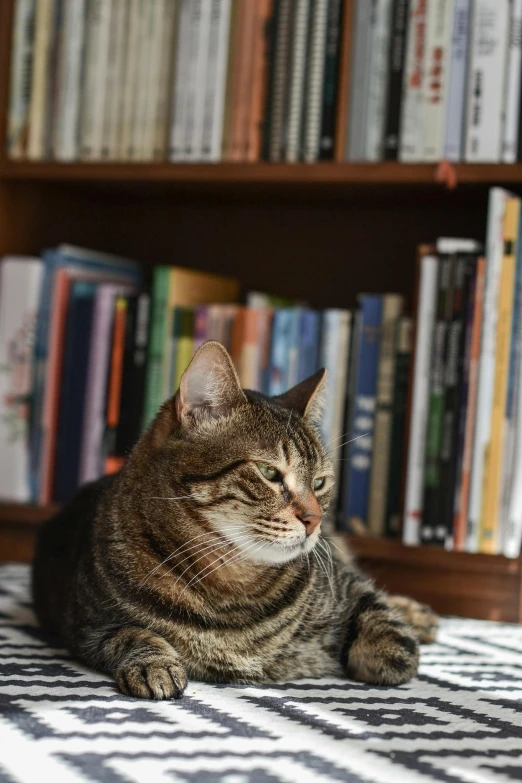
column 251, row 467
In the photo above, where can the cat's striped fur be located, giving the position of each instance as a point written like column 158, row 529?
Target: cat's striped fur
column 191, row 563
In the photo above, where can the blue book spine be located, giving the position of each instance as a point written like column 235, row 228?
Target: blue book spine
column 279, row 351
column 363, row 413
column 292, row 364
column 309, row 345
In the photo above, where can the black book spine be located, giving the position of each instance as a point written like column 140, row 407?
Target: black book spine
column 454, row 383
column 397, row 55
column 330, row 80
column 271, row 35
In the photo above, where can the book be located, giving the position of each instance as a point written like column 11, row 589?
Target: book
column 41, row 64
column 20, row 282
column 279, row 351
column 72, row 390
column 362, row 424
column 457, row 78
column 330, row 80
column 439, row 22
column 299, row 57
column 309, row 342
column 111, row 122
column 360, row 76
column 21, row 74
column 66, row 126
column 315, row 79
column 414, row 491
column 259, row 57
column 378, row 82
column 113, row 459
column 489, row 520
column 462, row 490
column 146, row 52
column 280, row 82
column 162, row 108
column 400, row 397
column 394, row 89
column 486, row 81
column 214, row 103
column 486, row 370
column 240, row 112
column 158, row 20
column 132, row 76
column 183, row 340
column 413, row 104
column 513, row 85
column 180, row 81
column 392, row 305
column 199, row 53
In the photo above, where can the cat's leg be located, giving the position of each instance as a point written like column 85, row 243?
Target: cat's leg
column 423, row 620
column 142, row 663
column 379, row 647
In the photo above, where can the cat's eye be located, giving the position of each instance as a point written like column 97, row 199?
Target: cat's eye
column 267, row 471
column 319, row 483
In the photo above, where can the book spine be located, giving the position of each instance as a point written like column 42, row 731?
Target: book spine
column 141, row 107
column 486, row 373
column 193, row 130
column 360, row 74
column 391, row 312
column 432, row 490
column 378, row 82
column 462, row 499
column 315, row 80
column 513, row 85
column 399, row 405
column 36, row 144
column 412, row 110
column 141, row 339
column 153, row 76
column 113, row 461
column 154, row 383
column 297, row 80
column 111, row 115
column 20, row 84
column 66, row 127
column 436, row 81
column 363, row 418
column 181, row 81
column 458, row 71
column 394, row 90
column 489, row 525
column 420, row 394
column 101, row 80
column 93, row 20
column 260, row 55
column 330, row 80
column 486, row 82
column 278, row 101
column 130, row 83
column 216, row 80
column 163, row 103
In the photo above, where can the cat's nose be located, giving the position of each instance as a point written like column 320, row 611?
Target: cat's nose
column 310, row 514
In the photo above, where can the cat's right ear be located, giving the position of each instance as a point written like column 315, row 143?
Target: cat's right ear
column 209, row 388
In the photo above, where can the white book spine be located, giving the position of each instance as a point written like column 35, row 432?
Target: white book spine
column 130, row 82
column 512, row 111
column 161, row 111
column 145, row 53
column 297, row 80
column 314, row 88
column 92, row 33
column 363, row 30
column 438, row 45
column 377, row 96
column 66, row 127
column 157, row 40
column 115, row 79
column 194, row 138
column 214, row 108
column 40, row 74
column 180, row 81
column 101, row 78
column 339, row 400
column 458, row 69
column 20, row 281
column 419, row 413
column 198, row 9
column 486, row 371
column 486, row 81
column 412, row 110
column 20, row 77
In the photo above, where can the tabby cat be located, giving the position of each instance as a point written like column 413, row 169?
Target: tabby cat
column 204, row 558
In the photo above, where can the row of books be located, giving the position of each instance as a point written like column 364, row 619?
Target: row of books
column 178, row 80
column 436, row 79
column 464, row 466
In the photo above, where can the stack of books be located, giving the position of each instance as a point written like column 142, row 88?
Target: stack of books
column 436, row 79
column 178, row 80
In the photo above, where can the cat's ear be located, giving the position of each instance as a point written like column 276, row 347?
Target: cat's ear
column 307, row 397
column 209, row 385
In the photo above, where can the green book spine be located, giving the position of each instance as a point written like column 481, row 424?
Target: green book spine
column 154, row 383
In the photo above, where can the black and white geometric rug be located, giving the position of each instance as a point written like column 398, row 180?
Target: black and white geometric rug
column 461, row 720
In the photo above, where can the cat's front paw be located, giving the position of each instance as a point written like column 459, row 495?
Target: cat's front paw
column 159, row 677
column 384, row 655
column 422, row 619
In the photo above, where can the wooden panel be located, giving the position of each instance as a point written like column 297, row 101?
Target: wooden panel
column 17, row 542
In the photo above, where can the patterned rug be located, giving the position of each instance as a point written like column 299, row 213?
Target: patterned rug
column 461, row 720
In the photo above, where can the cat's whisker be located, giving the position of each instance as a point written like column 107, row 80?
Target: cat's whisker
column 205, row 553
column 246, row 554
column 357, row 437
column 324, row 568
column 173, row 554
column 161, row 497
column 339, row 437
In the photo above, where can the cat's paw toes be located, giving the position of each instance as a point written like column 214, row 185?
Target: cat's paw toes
column 423, row 620
column 156, row 678
column 389, row 657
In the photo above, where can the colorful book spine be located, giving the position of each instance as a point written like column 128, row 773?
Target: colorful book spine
column 458, row 72
column 439, row 22
column 154, row 384
column 113, row 460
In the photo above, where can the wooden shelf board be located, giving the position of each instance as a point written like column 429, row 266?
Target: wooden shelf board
column 257, row 173
column 26, row 514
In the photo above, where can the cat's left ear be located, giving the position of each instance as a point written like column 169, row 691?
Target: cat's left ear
column 307, row 397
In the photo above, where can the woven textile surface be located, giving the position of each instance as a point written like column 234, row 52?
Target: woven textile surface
column 460, row 720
